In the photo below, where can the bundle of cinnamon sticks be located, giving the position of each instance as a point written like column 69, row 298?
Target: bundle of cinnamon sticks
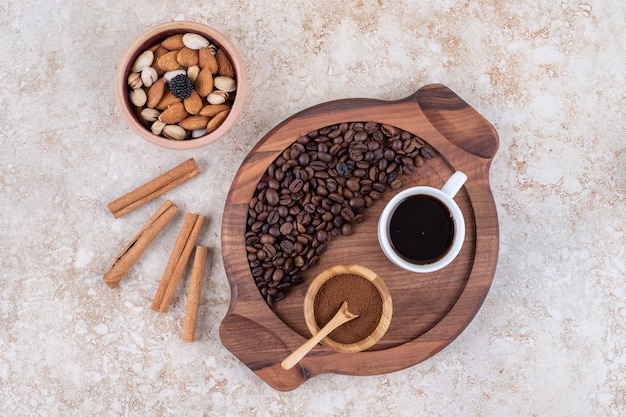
column 183, row 247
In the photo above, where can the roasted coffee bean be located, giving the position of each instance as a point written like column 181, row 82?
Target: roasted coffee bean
column 360, row 172
column 314, row 261
column 357, row 202
column 272, row 197
column 278, row 275
column 274, row 231
column 321, row 249
column 360, row 136
column 353, row 184
column 318, row 165
column 273, row 217
column 270, row 250
column 379, row 186
column 287, row 247
column 427, row 152
column 296, row 185
column 286, row 228
column 347, row 214
column 342, row 169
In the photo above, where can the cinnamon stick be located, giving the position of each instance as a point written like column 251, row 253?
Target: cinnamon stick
column 178, row 260
column 193, row 295
column 131, row 252
column 154, row 188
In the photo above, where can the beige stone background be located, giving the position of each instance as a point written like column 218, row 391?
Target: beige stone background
column 550, row 338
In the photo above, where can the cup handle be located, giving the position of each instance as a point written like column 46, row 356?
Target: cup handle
column 454, row 183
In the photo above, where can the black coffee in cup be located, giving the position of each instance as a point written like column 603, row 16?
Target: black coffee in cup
column 421, row 229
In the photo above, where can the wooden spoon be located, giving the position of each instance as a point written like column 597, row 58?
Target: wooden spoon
column 342, row 316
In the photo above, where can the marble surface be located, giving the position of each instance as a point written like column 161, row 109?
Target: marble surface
column 550, row 339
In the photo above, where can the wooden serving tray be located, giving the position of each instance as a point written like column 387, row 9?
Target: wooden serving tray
column 430, row 310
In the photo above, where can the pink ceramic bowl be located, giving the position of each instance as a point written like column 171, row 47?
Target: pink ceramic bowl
column 130, row 113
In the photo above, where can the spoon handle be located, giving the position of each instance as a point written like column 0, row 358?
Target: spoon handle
column 297, row 355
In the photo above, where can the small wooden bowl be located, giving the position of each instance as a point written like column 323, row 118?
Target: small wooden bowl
column 387, row 307
column 152, row 37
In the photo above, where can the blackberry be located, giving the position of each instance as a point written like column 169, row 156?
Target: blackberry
column 181, row 86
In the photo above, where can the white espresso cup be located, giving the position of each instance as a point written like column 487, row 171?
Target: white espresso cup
column 422, row 229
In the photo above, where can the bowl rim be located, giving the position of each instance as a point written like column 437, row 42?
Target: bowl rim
column 147, row 39
column 385, row 318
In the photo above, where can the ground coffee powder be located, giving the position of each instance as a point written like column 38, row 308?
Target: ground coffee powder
column 363, row 299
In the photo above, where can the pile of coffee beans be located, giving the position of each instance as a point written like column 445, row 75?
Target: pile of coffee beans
column 318, row 189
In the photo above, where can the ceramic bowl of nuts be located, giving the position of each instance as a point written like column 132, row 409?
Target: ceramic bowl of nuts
column 180, row 85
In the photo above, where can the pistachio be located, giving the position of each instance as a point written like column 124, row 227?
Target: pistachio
column 198, row 133
column 174, row 132
column 134, row 80
column 150, row 115
column 148, row 76
column 171, row 74
column 157, row 127
column 217, row 97
column 195, row 41
column 138, row 97
column 223, row 83
column 143, row 60
column 192, row 73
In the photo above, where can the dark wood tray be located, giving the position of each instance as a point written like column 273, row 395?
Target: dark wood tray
column 430, row 310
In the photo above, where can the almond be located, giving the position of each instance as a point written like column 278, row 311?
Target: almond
column 187, row 57
column 204, row 82
column 168, row 62
column 173, row 114
column 211, row 110
column 167, row 100
column 217, row 121
column 193, row 103
column 194, row 122
column 155, row 93
column 224, row 67
column 173, row 42
column 207, row 60
column 160, row 51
